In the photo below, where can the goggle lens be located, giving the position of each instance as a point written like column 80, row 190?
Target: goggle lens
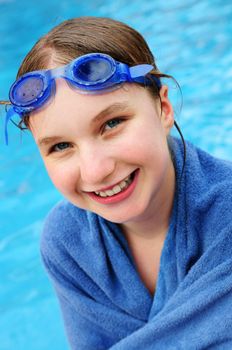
column 28, row 90
column 93, row 71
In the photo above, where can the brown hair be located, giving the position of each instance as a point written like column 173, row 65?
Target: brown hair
column 79, row 36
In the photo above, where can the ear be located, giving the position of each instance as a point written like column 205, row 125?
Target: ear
column 167, row 115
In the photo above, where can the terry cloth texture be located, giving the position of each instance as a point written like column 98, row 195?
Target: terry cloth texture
column 105, row 304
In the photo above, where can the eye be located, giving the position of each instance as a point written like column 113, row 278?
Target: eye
column 59, row 147
column 112, row 123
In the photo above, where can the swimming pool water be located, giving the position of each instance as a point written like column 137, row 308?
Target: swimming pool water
column 192, row 40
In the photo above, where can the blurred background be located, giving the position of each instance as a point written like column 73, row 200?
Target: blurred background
column 191, row 40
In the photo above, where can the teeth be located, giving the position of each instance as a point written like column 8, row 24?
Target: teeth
column 109, row 192
column 116, row 189
column 102, row 194
column 123, row 184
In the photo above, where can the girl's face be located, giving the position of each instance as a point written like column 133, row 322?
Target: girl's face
column 92, row 142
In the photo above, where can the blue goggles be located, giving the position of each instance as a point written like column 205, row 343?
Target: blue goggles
column 91, row 74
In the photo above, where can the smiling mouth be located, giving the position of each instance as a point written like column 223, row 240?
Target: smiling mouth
column 122, row 185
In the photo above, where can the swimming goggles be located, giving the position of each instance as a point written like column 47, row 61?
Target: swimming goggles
column 91, row 74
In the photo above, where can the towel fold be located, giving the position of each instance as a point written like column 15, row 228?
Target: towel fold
column 104, row 302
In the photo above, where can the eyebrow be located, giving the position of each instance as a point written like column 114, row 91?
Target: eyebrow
column 114, row 108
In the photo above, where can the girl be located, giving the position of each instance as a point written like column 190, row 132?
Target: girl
column 140, row 251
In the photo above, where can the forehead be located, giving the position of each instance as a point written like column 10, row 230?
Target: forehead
column 68, row 106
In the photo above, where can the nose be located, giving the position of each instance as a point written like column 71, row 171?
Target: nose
column 96, row 167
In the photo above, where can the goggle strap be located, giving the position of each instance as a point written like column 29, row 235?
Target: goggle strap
column 10, row 113
column 140, row 70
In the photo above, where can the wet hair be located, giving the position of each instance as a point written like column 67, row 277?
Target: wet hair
column 78, row 36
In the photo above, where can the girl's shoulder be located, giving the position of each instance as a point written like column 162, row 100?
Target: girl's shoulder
column 205, row 189
column 208, row 174
column 202, row 171
column 64, row 215
column 64, row 225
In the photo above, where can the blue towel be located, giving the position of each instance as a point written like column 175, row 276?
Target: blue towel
column 105, row 304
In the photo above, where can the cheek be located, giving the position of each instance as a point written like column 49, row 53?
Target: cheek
column 147, row 145
column 62, row 177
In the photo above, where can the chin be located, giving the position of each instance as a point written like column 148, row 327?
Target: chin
column 122, row 216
